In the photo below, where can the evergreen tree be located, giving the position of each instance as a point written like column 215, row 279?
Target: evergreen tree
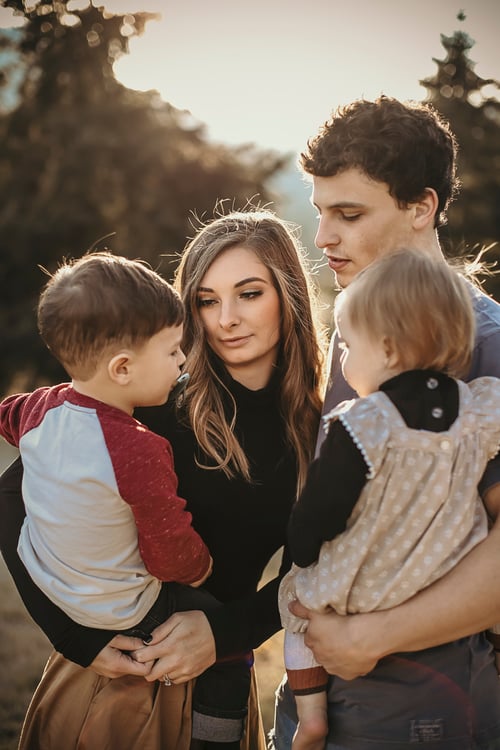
column 82, row 157
column 457, row 92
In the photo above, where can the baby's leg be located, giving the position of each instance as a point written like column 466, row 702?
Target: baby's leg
column 308, row 682
column 313, row 721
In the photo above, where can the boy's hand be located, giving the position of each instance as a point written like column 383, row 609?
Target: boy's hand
column 207, row 574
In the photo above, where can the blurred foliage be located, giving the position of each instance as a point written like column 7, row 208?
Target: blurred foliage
column 457, row 92
column 82, row 158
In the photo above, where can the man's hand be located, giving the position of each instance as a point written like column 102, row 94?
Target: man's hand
column 113, row 661
column 336, row 642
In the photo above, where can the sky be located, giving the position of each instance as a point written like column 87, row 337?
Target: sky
column 271, row 71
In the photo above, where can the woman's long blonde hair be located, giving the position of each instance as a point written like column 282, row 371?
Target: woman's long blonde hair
column 301, row 349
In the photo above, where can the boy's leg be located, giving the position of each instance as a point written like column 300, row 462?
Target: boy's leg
column 161, row 610
column 220, row 703
column 220, row 695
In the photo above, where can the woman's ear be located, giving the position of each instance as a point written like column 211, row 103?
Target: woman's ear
column 120, row 368
column 425, row 209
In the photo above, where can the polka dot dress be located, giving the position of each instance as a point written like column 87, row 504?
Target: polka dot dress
column 419, row 512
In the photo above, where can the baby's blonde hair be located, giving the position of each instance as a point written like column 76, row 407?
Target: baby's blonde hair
column 420, row 305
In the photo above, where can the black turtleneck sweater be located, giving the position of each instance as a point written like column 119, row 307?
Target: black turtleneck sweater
column 242, row 523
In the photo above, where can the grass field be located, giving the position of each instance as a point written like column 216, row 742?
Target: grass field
column 24, row 650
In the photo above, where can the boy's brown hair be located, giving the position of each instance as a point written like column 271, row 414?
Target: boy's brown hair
column 99, row 301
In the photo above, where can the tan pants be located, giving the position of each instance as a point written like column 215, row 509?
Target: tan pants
column 75, row 709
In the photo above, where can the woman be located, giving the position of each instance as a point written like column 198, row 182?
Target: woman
column 242, row 442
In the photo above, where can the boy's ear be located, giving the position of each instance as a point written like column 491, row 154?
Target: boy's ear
column 391, row 353
column 425, row 209
column 120, row 368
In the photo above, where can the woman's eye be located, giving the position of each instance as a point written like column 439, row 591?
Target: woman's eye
column 251, row 293
column 205, row 302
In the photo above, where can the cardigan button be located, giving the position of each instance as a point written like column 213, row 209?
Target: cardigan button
column 432, row 384
column 437, row 412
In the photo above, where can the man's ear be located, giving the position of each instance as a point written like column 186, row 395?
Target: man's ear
column 120, row 368
column 425, row 209
column 391, row 354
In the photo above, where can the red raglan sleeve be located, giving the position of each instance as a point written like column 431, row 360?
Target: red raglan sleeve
column 170, row 547
column 11, row 410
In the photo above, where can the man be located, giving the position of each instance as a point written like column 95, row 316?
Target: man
column 383, row 174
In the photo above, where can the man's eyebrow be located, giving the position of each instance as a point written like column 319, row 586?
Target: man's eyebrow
column 341, row 204
column 249, row 280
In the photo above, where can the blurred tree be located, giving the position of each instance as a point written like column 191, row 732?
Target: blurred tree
column 457, row 92
column 82, row 158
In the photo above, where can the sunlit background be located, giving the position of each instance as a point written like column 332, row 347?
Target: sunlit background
column 270, row 71
column 267, row 72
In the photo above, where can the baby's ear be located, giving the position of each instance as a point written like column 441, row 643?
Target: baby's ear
column 392, row 359
column 120, row 367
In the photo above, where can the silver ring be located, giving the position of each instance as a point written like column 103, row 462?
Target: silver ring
column 166, row 680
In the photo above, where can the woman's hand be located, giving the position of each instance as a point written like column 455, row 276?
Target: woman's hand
column 336, row 643
column 112, row 662
column 183, row 646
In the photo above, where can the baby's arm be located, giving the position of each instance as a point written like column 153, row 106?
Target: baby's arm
column 333, row 485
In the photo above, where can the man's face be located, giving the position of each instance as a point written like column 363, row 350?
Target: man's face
column 359, row 221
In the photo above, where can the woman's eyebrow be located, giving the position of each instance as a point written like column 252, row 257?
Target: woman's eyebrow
column 249, row 280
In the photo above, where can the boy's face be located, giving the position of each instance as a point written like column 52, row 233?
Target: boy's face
column 359, row 221
column 157, row 366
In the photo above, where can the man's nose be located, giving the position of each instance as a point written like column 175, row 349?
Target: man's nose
column 325, row 235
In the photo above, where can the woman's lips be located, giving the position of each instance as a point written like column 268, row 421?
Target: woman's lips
column 235, row 342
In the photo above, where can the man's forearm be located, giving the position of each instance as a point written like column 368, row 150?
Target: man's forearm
column 465, row 601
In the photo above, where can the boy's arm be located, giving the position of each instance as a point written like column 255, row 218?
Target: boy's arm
column 10, row 417
column 169, row 545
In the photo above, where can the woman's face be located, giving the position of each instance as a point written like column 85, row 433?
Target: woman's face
column 240, row 311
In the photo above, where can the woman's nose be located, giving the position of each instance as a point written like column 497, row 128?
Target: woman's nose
column 228, row 315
